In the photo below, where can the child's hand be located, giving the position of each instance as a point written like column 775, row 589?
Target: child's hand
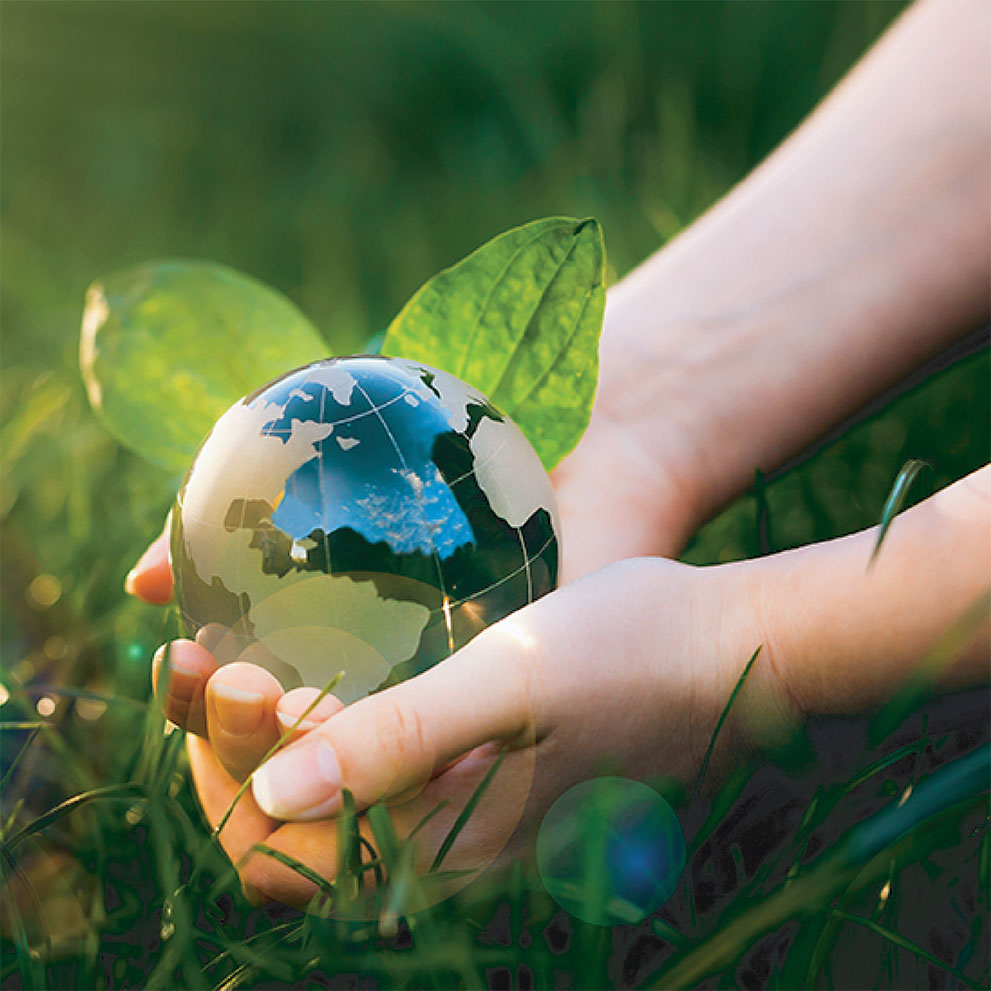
column 625, row 671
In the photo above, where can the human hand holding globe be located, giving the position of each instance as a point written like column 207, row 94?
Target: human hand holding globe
column 565, row 683
column 322, row 531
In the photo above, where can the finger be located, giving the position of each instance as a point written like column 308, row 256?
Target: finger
column 388, row 744
column 180, row 671
column 315, row 844
column 240, row 716
column 293, row 704
column 151, row 578
column 216, row 790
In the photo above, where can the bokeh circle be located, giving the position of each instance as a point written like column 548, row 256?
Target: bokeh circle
column 610, row 851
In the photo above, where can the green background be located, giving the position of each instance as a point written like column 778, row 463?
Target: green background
column 344, row 153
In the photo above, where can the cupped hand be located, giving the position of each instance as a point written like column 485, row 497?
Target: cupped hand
column 624, row 671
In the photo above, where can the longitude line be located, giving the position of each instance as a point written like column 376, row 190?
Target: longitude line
column 423, row 516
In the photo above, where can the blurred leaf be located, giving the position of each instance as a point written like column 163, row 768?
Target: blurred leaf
column 167, row 346
column 519, row 319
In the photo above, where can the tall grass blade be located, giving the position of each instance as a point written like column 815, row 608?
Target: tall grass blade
column 896, row 500
column 385, row 835
column 905, row 944
column 722, row 719
column 284, row 931
column 459, row 823
column 325, row 887
column 954, row 782
column 111, row 792
column 437, row 808
column 39, row 908
column 350, row 875
column 32, row 974
column 274, row 749
column 17, row 759
column 852, row 864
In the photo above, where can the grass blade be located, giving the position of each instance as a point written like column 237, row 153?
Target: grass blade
column 466, row 812
column 326, row 888
column 896, row 500
column 32, row 976
column 114, row 792
column 20, row 753
column 437, row 808
column 905, row 944
column 722, row 719
column 852, row 864
column 389, row 848
column 350, row 877
column 275, row 748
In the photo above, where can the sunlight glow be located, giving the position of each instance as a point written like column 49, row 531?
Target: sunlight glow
column 515, row 632
column 447, row 620
column 45, row 591
column 45, row 706
column 883, row 897
column 90, row 709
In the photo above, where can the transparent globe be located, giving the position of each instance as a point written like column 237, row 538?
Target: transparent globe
column 364, row 515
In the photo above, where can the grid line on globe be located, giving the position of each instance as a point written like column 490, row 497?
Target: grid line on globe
column 365, row 514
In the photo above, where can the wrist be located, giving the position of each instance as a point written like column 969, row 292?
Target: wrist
column 764, row 710
column 842, row 631
column 651, row 406
column 696, row 384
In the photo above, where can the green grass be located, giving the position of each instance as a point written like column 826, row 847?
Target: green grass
column 344, row 154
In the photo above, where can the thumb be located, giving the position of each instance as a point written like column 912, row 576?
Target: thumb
column 388, row 744
column 151, row 578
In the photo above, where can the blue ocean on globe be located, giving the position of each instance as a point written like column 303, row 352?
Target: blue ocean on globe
column 364, row 515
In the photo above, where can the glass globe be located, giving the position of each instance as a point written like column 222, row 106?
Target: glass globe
column 364, row 515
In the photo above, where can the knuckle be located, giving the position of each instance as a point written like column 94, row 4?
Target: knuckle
column 401, row 734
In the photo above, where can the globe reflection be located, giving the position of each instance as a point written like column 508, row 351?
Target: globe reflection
column 367, row 515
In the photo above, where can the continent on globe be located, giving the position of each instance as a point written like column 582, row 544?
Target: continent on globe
column 366, row 514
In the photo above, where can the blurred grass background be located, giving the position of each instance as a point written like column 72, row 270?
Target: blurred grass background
column 343, row 153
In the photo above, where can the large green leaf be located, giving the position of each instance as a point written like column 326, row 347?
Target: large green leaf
column 519, row 319
column 167, row 346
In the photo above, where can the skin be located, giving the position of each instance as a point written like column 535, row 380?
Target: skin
column 851, row 256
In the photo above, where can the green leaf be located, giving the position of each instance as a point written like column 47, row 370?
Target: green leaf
column 519, row 319
column 167, row 346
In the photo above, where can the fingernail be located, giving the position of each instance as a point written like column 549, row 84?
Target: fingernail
column 288, row 722
column 178, row 681
column 238, row 711
column 129, row 581
column 303, row 782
